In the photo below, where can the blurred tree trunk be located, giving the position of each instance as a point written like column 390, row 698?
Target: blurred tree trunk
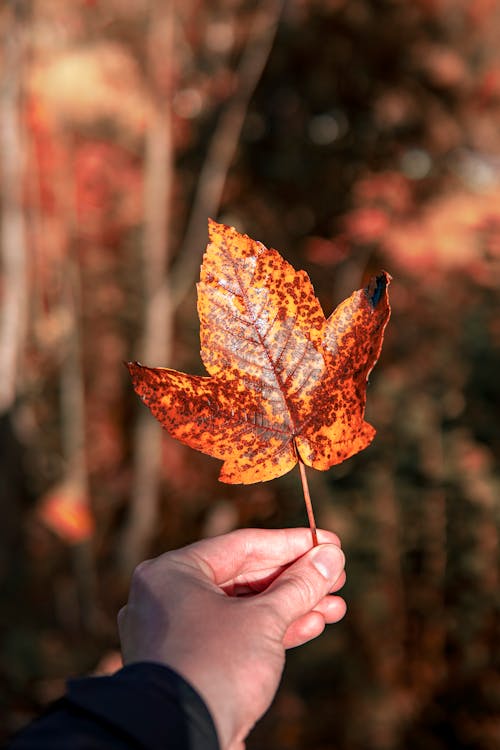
column 223, row 146
column 155, row 345
column 73, row 440
column 12, row 224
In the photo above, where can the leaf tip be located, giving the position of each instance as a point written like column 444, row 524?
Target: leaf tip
column 214, row 227
column 134, row 369
column 376, row 287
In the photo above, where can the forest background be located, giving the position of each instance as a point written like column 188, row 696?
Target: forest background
column 352, row 135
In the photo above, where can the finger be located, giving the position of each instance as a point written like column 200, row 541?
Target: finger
column 329, row 610
column 332, row 609
column 339, row 583
column 302, row 585
column 304, row 629
column 248, row 551
column 247, row 584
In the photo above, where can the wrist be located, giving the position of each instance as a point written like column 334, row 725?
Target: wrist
column 217, row 690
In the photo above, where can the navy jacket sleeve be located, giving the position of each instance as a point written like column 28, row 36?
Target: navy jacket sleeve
column 145, row 705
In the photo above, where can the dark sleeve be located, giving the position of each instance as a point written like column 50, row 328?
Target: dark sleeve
column 145, row 705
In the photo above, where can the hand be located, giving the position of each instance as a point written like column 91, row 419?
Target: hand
column 222, row 611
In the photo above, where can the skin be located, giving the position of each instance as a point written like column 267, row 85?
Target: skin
column 222, row 612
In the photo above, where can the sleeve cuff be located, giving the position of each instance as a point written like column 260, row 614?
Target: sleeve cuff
column 152, row 704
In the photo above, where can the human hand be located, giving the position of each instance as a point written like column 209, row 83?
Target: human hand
column 222, row 611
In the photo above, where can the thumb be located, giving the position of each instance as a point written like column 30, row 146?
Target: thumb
column 301, row 586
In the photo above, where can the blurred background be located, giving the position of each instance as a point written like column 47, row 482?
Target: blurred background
column 352, row 135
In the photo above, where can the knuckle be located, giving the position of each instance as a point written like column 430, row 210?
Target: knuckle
column 121, row 617
column 142, row 569
column 301, row 592
column 305, row 590
column 141, row 575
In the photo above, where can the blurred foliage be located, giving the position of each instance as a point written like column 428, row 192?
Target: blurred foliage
column 372, row 140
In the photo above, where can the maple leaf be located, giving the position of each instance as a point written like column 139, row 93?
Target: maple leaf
column 285, row 384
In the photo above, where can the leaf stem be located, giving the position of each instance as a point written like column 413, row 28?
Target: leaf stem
column 307, row 498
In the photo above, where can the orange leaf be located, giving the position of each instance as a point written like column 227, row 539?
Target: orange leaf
column 284, row 382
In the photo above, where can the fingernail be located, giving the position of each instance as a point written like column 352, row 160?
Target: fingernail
column 328, row 560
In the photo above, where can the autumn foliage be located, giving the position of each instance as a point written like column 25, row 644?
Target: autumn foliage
column 286, row 384
column 354, row 136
